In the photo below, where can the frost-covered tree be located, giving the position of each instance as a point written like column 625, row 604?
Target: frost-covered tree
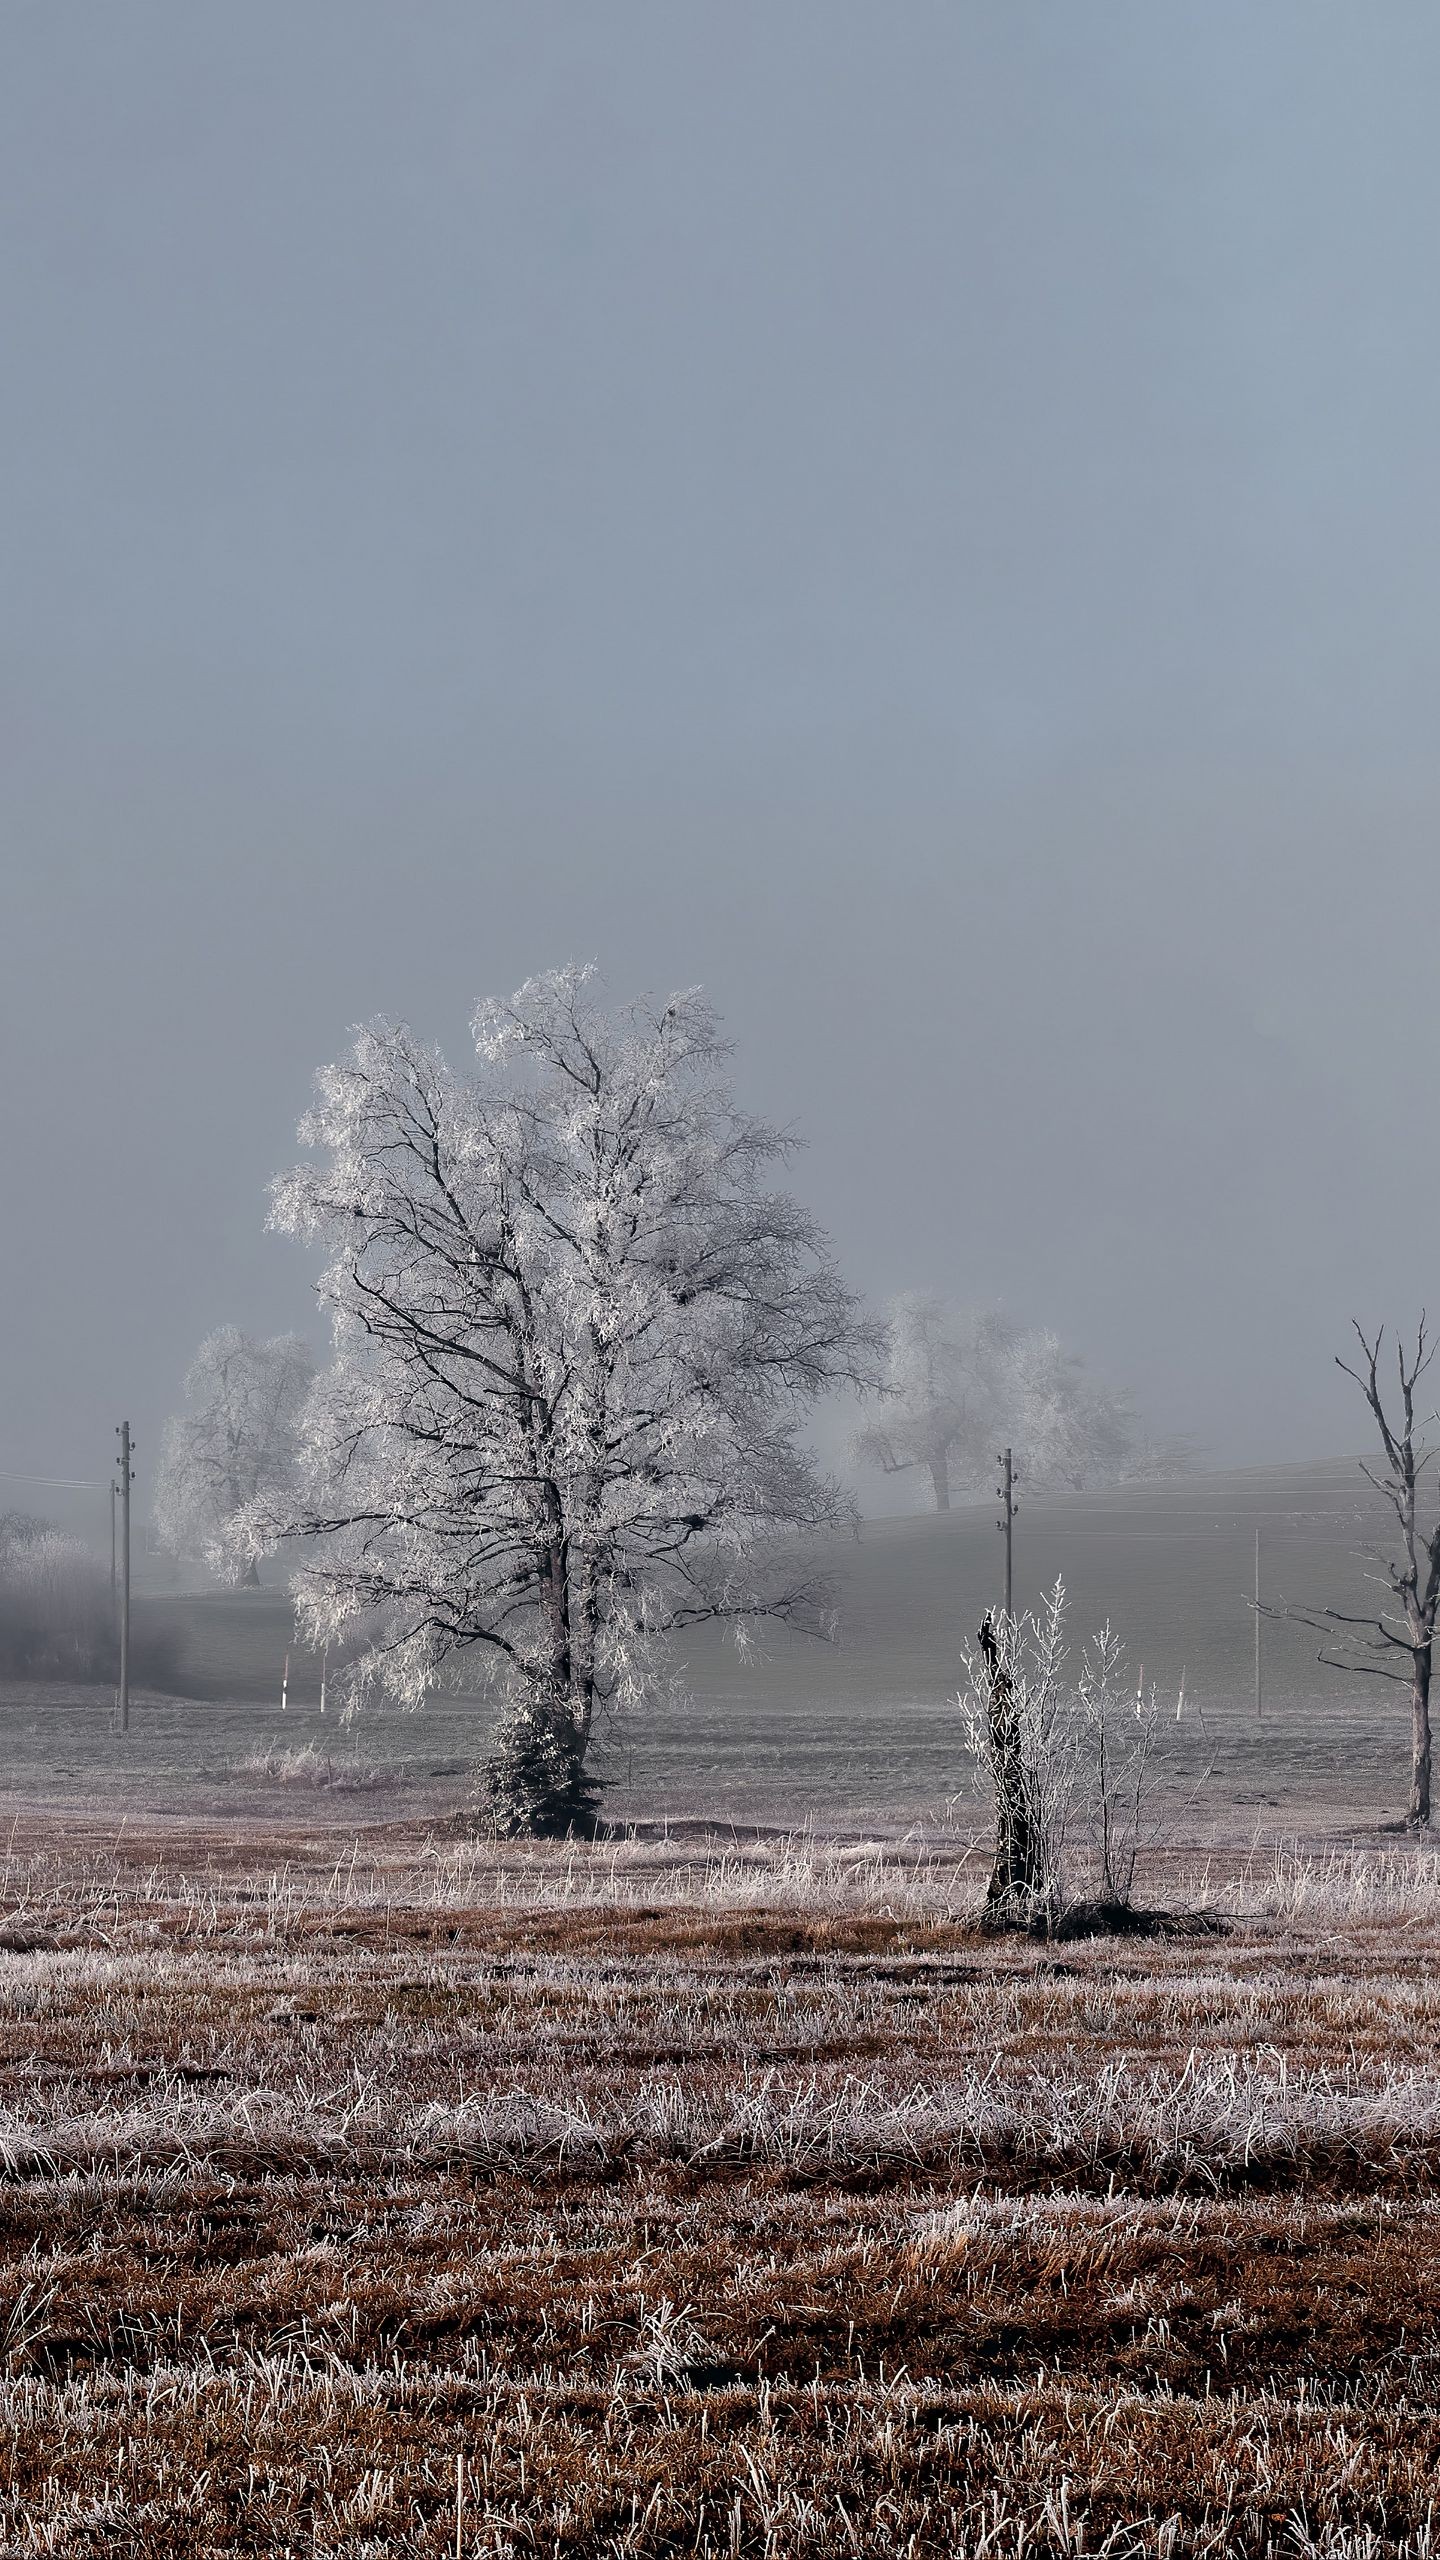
column 57, row 1618
column 944, row 1400
column 234, row 1444
column 1066, row 1431
column 1066, row 1753
column 961, row 1383
column 575, row 1330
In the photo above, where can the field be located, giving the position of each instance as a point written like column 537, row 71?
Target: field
column 863, row 1733
column 719, row 2187
column 647, row 2201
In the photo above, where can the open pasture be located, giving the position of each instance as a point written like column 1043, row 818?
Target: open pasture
column 858, row 1733
column 655, row 2200
column 719, row 2187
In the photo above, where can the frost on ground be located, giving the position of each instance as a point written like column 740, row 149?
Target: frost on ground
column 648, row 2201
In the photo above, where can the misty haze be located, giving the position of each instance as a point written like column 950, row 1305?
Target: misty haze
column 719, row 1458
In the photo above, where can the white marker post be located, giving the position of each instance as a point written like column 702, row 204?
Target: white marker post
column 285, row 1687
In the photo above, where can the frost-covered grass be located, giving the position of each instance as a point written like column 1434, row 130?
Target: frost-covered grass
column 935, row 1876
column 1343, row 1885
column 344, row 1773
column 706, row 2198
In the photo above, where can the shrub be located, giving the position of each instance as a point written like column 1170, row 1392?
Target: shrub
column 1066, row 1754
column 535, row 1784
column 307, row 1767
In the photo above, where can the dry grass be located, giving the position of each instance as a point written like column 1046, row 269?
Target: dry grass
column 735, row 2201
column 343, row 1773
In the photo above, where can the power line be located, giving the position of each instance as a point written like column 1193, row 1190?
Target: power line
column 68, row 1484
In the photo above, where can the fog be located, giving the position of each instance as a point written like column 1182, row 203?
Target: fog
column 922, row 520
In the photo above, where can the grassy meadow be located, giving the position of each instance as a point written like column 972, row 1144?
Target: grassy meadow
column 719, row 2187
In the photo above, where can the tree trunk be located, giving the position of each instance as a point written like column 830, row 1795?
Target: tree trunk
column 250, row 1578
column 1017, row 1884
column 1420, row 1736
column 940, row 1478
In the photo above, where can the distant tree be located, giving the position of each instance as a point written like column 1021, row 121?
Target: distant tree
column 57, row 1612
column 943, row 1392
column 234, row 1444
column 1066, row 1431
column 56, row 1617
column 575, row 1334
column 1402, row 1636
column 962, row 1382
column 21, row 1529
column 1163, row 1461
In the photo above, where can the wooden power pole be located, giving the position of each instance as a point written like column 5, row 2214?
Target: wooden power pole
column 122, row 1430
column 1259, row 1702
column 1006, row 1525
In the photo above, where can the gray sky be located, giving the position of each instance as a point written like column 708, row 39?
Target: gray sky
column 922, row 518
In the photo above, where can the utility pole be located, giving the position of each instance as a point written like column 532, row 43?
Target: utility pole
column 1006, row 1525
column 112, row 1546
column 1259, row 1702
column 122, row 1432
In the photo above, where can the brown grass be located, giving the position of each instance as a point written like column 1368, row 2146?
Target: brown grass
column 801, row 2222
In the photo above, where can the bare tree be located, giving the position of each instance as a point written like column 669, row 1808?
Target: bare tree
column 575, row 1333
column 1402, row 1636
column 234, row 1443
